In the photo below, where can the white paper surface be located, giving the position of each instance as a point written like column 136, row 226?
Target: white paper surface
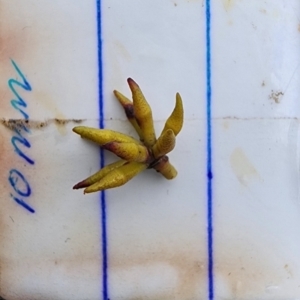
column 156, row 231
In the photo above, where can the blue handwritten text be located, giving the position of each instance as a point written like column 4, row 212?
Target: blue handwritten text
column 17, row 180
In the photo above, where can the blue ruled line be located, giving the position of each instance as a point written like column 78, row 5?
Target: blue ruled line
column 209, row 157
column 101, row 125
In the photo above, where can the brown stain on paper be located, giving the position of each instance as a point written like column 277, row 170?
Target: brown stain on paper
column 122, row 50
column 31, row 124
column 243, row 276
column 276, row 96
column 228, row 4
column 190, row 271
column 17, row 43
column 242, row 167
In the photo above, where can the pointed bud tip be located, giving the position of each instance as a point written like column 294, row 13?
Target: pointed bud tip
column 77, row 129
column 117, row 94
column 169, row 134
column 178, row 98
column 80, row 185
column 132, row 84
column 88, row 191
column 169, row 131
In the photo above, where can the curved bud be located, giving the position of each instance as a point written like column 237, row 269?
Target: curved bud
column 175, row 120
column 164, row 144
column 117, row 177
column 128, row 151
column 165, row 168
column 103, row 136
column 98, row 175
column 129, row 111
column 143, row 114
column 122, row 99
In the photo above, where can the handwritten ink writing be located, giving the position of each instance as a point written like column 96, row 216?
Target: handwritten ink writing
column 17, row 180
column 19, row 138
column 22, row 203
column 19, row 183
column 25, row 85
